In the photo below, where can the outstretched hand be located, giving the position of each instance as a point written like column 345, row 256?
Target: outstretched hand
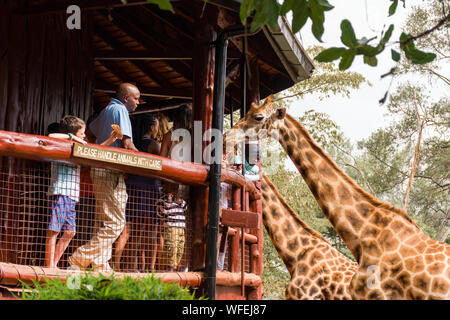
column 114, row 136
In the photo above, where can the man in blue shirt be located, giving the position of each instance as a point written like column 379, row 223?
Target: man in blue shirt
column 109, row 185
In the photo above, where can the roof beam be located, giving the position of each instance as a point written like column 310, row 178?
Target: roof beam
column 150, row 43
column 162, row 16
column 59, row 7
column 158, row 106
column 85, row 5
column 134, row 55
column 155, row 76
column 117, row 71
column 182, row 93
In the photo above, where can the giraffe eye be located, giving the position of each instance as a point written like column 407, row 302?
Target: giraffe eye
column 259, row 117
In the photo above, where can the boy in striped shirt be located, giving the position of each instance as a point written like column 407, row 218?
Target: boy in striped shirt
column 172, row 209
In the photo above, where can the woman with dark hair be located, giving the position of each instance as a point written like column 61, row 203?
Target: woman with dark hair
column 182, row 120
column 143, row 193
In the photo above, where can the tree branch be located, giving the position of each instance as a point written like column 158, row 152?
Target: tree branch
column 421, row 123
column 426, row 32
column 443, row 78
column 441, row 236
column 355, row 167
column 301, row 93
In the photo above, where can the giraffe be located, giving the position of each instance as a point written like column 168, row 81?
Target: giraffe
column 318, row 271
column 396, row 260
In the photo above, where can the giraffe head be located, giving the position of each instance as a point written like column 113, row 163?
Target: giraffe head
column 259, row 122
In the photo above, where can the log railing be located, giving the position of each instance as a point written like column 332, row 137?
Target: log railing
column 42, row 148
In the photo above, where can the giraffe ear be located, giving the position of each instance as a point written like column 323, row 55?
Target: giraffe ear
column 281, row 113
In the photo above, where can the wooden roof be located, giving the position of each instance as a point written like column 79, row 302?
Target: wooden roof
column 153, row 48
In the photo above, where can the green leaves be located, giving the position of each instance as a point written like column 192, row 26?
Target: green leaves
column 412, row 53
column 395, row 55
column 271, row 11
column 264, row 12
column 300, row 13
column 245, row 9
column 347, row 59
column 163, row 4
column 348, row 34
column 330, row 54
column 371, row 60
column 92, row 287
column 355, row 47
column 393, row 7
column 387, row 35
column 267, row 12
column 318, row 18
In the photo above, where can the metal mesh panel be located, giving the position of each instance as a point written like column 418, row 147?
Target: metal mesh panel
column 33, row 215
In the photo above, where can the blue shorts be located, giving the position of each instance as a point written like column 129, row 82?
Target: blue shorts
column 63, row 214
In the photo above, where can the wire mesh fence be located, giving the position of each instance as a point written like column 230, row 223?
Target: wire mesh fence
column 61, row 215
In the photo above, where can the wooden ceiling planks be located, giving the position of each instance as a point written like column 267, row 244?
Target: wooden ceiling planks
column 146, row 31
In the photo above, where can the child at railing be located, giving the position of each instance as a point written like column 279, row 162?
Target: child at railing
column 64, row 190
column 252, row 169
column 172, row 210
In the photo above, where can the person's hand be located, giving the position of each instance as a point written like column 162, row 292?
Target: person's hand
column 114, row 136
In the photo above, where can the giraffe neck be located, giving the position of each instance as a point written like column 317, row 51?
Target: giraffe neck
column 347, row 206
column 291, row 237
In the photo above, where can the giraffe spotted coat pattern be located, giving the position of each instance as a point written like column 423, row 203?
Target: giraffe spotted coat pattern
column 396, row 260
column 318, row 271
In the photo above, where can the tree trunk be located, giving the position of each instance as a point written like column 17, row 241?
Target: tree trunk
column 421, row 123
column 443, row 232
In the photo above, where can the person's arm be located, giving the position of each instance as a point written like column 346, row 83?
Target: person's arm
column 112, row 138
column 120, row 117
column 128, row 143
column 67, row 136
column 166, row 144
column 160, row 208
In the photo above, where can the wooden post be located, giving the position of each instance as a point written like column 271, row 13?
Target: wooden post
column 202, row 103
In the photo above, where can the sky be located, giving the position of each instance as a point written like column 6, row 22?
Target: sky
column 361, row 114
